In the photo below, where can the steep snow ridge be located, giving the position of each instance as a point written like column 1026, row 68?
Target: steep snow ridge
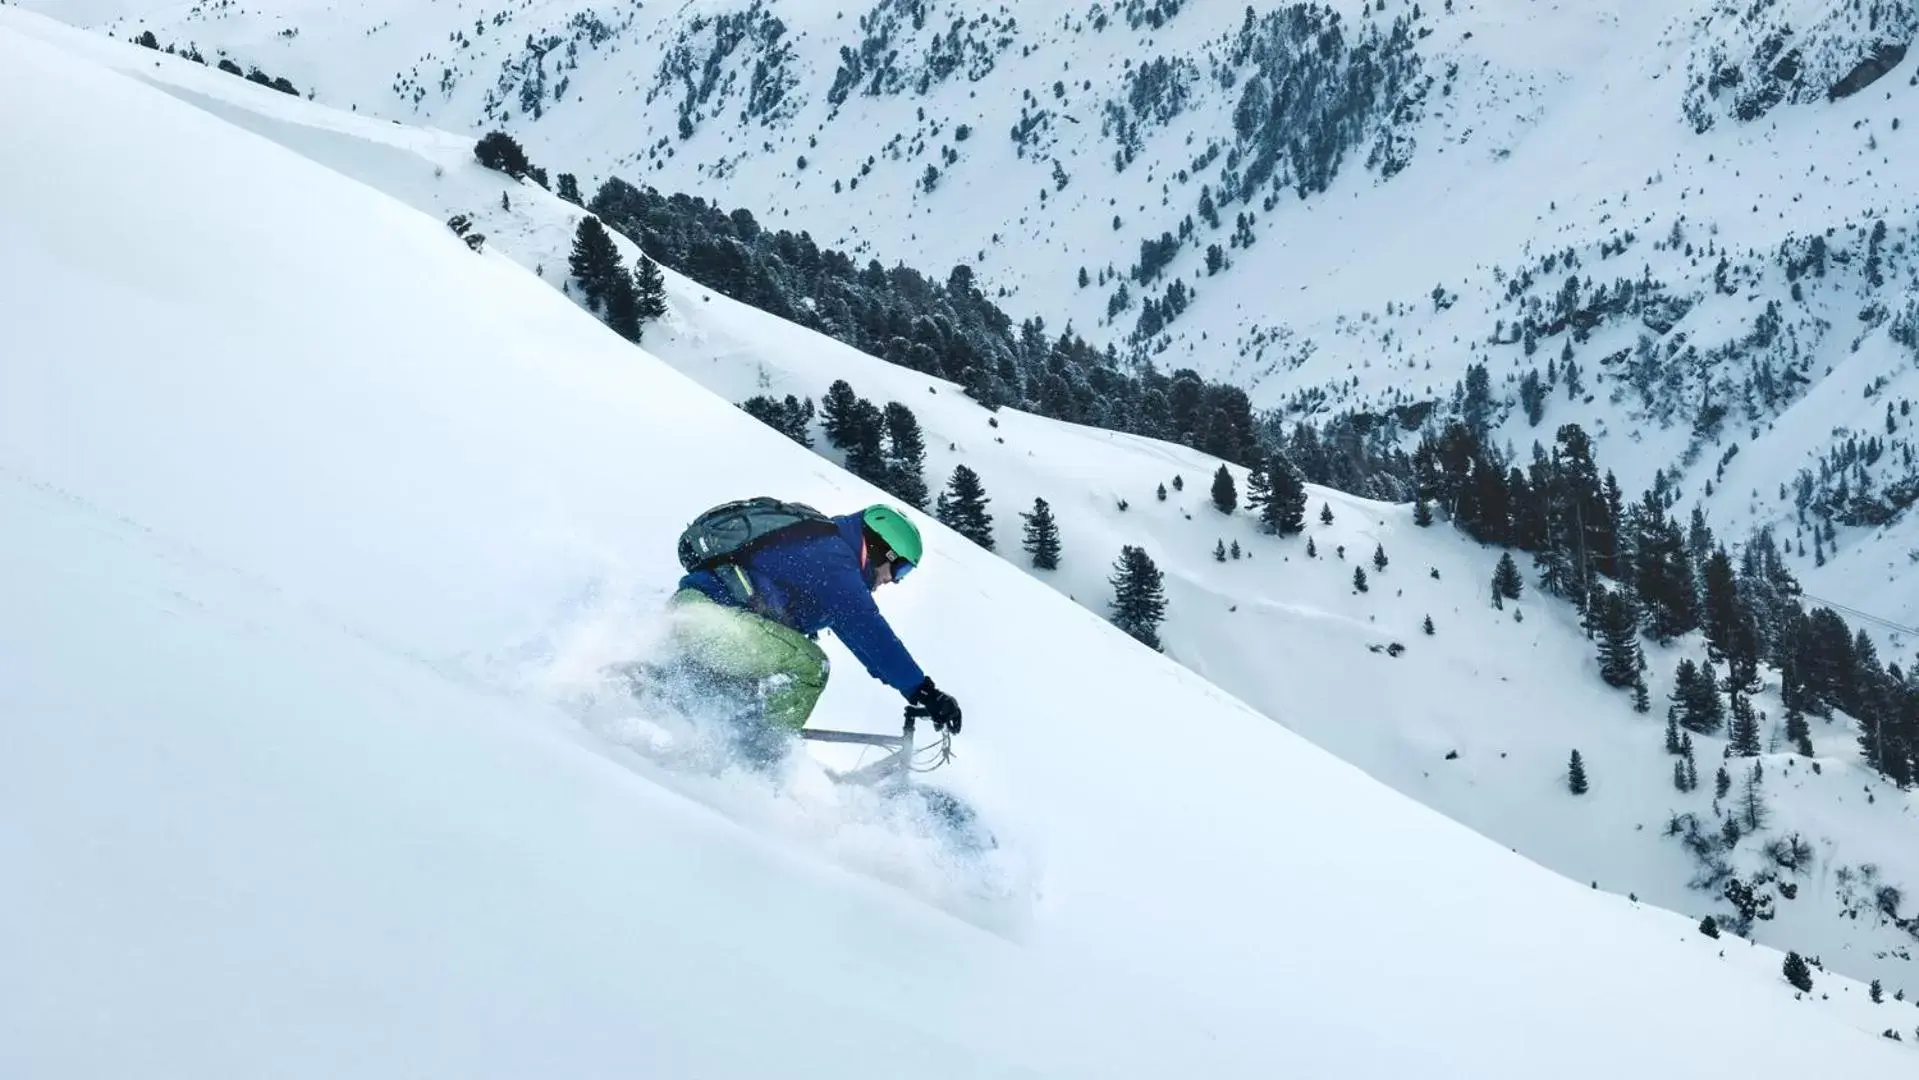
column 1504, row 696
column 323, row 452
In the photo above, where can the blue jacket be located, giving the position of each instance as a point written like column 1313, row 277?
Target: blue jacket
column 815, row 581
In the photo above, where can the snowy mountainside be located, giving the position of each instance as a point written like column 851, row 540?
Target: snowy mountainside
column 1337, row 206
column 297, row 829
column 1512, row 698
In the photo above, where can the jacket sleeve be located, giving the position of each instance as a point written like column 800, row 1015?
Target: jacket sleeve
column 858, row 622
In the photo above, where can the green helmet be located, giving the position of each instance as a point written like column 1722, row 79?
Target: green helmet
column 890, row 525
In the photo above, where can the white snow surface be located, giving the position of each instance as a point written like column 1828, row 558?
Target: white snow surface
column 1509, row 699
column 312, row 518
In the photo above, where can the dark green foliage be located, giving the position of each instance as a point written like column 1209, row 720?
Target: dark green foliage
column 1219, row 551
column 595, row 260
column 1427, row 626
column 1619, row 656
column 1379, row 557
column 1422, row 512
column 947, row 328
column 649, row 290
column 1641, row 700
column 905, row 465
column 1139, row 598
column 1359, row 579
column 1876, row 992
column 1235, row 549
column 1721, row 783
column 1225, row 493
column 865, row 433
column 1507, row 583
column 501, row 152
column 1709, row 926
column 1284, row 510
column 570, row 189
column 837, row 412
column 1743, row 733
column 1798, row 972
column 1797, row 733
column 791, row 417
column 1695, row 697
column 147, row 40
column 1752, row 805
column 1161, row 492
column 1576, row 775
column 1042, row 536
column 1325, row 513
column 962, row 506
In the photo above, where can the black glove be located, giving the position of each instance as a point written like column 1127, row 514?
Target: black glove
column 939, row 705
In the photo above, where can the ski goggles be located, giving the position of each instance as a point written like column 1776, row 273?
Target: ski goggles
column 901, row 568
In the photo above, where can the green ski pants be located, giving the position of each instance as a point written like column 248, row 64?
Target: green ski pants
column 738, row 644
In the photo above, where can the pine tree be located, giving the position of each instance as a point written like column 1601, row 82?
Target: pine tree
column 1359, row 579
column 1161, row 493
column 1576, row 775
column 905, row 456
column 1427, row 626
column 1709, row 926
column 622, row 301
column 1379, row 557
column 1679, row 775
column 1225, row 493
column 1042, row 536
column 1797, row 733
column 1179, row 482
column 1422, row 512
column 1798, row 973
column 595, row 260
column 1507, row 581
column 1692, row 771
column 649, row 289
column 1259, row 488
column 1641, row 700
column 1139, row 599
column 1219, row 551
column 1743, row 733
column 866, row 444
column 1695, row 696
column 1672, row 731
column 1876, row 992
column 1619, row 656
column 962, row 506
column 1284, row 511
column 1312, row 550
column 1721, row 783
column 837, row 409
column 1752, row 806
column 569, row 189
column 1325, row 513
column 501, row 152
column 1235, row 549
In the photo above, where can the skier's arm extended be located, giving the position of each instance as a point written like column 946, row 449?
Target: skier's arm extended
column 858, row 622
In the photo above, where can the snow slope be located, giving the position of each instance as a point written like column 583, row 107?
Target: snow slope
column 272, row 816
column 1510, row 699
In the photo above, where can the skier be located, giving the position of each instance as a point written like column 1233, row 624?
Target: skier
column 784, row 572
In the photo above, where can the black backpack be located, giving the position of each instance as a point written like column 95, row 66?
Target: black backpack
column 730, row 531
